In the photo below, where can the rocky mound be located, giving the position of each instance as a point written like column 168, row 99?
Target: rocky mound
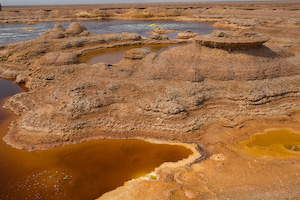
column 53, row 35
column 59, row 58
column 162, row 31
column 156, row 36
column 57, row 32
column 75, row 29
column 196, row 64
column 231, row 40
column 58, row 28
column 186, row 35
column 136, row 53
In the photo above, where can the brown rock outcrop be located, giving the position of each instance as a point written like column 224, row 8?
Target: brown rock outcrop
column 243, row 65
column 186, row 35
column 136, row 53
column 84, row 14
column 58, row 28
column 52, row 35
column 232, row 40
column 162, row 31
column 11, row 71
column 59, row 58
column 155, row 36
column 75, row 29
column 57, row 32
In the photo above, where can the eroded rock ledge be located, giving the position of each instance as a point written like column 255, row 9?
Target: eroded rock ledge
column 180, row 91
column 232, row 40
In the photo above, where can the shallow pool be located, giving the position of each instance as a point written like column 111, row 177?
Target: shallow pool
column 81, row 171
column 114, row 55
column 274, row 143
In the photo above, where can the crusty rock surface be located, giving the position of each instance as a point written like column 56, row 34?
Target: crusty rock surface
column 53, row 35
column 186, row 35
column 30, row 52
column 60, row 58
column 58, row 28
column 156, row 36
column 56, row 33
column 243, row 65
column 169, row 93
column 232, row 40
column 136, row 53
column 75, row 29
column 162, row 31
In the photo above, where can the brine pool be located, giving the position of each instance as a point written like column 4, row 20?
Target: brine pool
column 114, row 55
column 81, row 171
column 281, row 143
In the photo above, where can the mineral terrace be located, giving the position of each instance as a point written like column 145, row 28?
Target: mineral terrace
column 216, row 91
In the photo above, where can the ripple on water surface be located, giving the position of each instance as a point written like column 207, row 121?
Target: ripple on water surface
column 11, row 33
column 81, row 171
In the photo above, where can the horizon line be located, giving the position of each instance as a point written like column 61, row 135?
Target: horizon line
column 155, row 2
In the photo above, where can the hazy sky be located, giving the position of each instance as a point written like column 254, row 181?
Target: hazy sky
column 49, row 2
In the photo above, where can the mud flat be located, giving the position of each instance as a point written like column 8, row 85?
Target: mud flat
column 196, row 11
column 218, row 94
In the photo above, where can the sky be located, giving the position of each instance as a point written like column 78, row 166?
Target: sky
column 54, row 2
column 57, row 2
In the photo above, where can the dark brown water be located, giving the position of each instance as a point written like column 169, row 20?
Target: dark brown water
column 115, row 55
column 8, row 88
column 81, row 171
